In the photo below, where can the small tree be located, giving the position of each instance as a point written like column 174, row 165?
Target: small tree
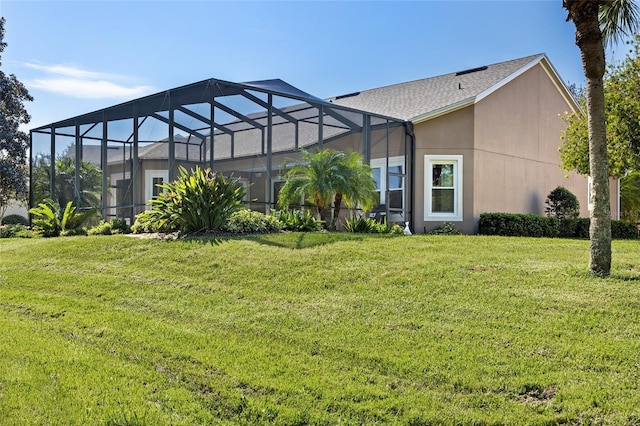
column 89, row 192
column 13, row 142
column 328, row 176
column 562, row 204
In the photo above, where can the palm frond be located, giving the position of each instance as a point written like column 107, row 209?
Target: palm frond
column 618, row 18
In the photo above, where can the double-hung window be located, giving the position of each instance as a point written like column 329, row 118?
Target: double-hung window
column 443, row 187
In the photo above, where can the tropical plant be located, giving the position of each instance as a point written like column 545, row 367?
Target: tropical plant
column 368, row 225
column 13, row 142
column 52, row 221
column 562, row 204
column 297, row 220
column 90, row 180
column 200, row 201
column 597, row 21
column 630, row 197
column 328, row 176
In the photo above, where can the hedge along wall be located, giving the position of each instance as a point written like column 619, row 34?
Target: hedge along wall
column 529, row 225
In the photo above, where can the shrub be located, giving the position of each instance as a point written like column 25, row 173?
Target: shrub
column 622, row 230
column 146, row 222
column 562, row 204
column 15, row 231
column 297, row 220
column 361, row 224
column 15, row 219
column 113, row 226
column 518, row 225
column 200, row 201
column 51, row 220
column 446, row 228
column 527, row 225
column 249, row 221
column 367, row 225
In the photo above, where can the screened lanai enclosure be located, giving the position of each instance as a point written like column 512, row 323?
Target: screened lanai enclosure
column 113, row 159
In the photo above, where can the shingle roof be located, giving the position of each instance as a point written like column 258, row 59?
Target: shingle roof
column 416, row 99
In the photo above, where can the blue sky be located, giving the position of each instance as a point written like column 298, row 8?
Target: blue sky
column 80, row 56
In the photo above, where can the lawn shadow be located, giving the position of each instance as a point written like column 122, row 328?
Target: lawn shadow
column 302, row 240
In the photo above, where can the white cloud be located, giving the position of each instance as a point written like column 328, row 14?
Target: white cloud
column 79, row 83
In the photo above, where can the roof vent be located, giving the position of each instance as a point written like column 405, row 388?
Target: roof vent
column 348, row 95
column 469, row 71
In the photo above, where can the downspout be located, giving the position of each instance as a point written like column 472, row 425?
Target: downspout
column 30, row 199
column 412, row 178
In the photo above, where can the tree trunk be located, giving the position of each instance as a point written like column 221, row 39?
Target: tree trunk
column 584, row 14
column 337, row 203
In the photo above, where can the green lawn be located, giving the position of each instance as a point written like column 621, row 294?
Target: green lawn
column 317, row 329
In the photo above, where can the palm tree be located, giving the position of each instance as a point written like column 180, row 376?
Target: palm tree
column 329, row 175
column 597, row 22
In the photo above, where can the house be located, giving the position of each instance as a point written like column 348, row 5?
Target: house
column 442, row 149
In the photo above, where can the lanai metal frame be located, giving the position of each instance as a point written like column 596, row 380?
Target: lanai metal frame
column 210, row 107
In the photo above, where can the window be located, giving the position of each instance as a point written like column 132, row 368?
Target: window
column 153, row 178
column 395, row 192
column 443, row 187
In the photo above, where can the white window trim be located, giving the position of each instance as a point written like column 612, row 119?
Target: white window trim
column 429, row 161
column 381, row 163
column 148, row 181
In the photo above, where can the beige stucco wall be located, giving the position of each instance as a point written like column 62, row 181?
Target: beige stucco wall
column 509, row 141
column 517, row 135
column 450, row 134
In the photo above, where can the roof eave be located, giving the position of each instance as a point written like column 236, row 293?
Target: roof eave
column 444, row 110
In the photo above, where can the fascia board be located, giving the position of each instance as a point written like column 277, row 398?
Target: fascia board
column 508, row 78
column 548, row 69
column 560, row 85
column 444, row 110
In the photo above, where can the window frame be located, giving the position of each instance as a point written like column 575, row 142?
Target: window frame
column 381, row 163
column 149, row 175
column 457, row 161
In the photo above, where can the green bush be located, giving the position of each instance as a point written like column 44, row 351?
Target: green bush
column 15, row 219
column 367, row 225
column 446, row 228
column 249, row 221
column 518, row 225
column 297, row 220
column 146, row 222
column 110, row 227
column 50, row 220
column 15, row 231
column 562, row 204
column 200, row 201
column 622, row 230
column 527, row 225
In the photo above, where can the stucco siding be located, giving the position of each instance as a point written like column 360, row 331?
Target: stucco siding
column 450, row 134
column 517, row 135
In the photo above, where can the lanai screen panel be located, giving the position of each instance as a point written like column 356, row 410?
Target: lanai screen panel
column 247, row 130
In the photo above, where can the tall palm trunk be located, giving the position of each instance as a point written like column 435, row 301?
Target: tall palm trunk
column 584, row 14
column 337, row 204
